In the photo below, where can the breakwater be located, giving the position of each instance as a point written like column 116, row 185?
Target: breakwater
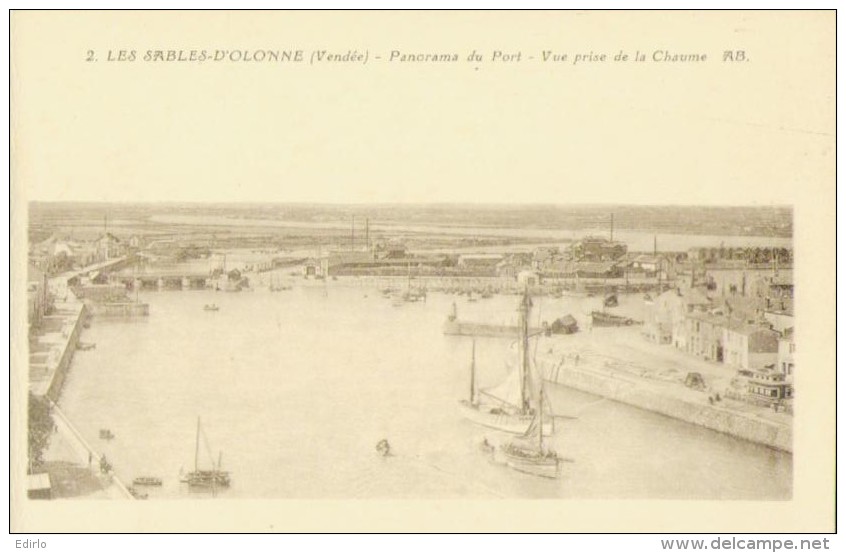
column 645, row 395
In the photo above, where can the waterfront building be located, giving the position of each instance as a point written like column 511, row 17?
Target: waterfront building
column 333, row 261
column 391, row 249
column 781, row 285
column 581, row 269
column 483, row 261
column 705, row 335
column 57, row 255
column 777, row 286
column 528, row 278
column 649, row 265
column 36, row 295
column 671, row 309
column 109, row 246
column 750, row 346
column 786, row 349
column 358, row 262
column 658, row 328
column 513, row 264
column 136, row 242
column 594, row 248
column 749, row 255
column 315, row 267
column 780, row 316
column 544, row 255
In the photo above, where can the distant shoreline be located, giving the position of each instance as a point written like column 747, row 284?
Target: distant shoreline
column 545, row 220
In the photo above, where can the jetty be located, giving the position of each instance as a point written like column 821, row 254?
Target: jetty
column 614, row 369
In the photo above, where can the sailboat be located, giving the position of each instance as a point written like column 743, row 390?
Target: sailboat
column 412, row 294
column 214, row 478
column 508, row 406
column 528, row 453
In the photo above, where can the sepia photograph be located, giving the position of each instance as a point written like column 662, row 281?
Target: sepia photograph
column 548, row 266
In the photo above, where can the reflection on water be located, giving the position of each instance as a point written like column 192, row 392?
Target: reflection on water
column 297, row 387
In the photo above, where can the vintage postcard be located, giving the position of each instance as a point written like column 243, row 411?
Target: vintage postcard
column 423, row 271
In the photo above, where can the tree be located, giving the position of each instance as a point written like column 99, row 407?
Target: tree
column 41, row 427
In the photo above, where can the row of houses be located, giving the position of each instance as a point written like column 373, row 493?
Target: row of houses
column 743, row 333
column 490, row 264
column 588, row 258
column 56, row 255
column 754, row 255
column 37, row 296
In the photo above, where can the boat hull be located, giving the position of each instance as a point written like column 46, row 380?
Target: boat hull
column 458, row 328
column 506, row 422
column 606, row 319
column 541, row 466
column 207, row 479
column 147, row 481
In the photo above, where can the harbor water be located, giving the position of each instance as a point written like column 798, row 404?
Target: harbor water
column 296, row 388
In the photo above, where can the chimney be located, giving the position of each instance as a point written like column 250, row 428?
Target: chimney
column 612, row 227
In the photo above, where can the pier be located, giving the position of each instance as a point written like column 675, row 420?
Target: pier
column 52, row 351
column 617, row 371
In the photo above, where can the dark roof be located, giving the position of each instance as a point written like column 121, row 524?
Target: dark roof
column 567, row 320
column 109, row 236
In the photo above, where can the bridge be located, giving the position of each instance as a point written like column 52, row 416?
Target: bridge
column 95, row 268
column 135, row 278
column 163, row 278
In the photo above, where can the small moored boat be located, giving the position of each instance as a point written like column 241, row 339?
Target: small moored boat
column 204, row 478
column 138, row 494
column 528, row 453
column 600, row 318
column 147, row 481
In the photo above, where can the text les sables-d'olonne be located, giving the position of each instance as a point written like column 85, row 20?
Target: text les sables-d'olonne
column 354, row 56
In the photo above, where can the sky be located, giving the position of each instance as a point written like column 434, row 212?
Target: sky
column 757, row 132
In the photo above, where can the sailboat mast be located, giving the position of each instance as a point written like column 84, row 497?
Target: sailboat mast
column 540, row 420
column 197, row 445
column 524, row 351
